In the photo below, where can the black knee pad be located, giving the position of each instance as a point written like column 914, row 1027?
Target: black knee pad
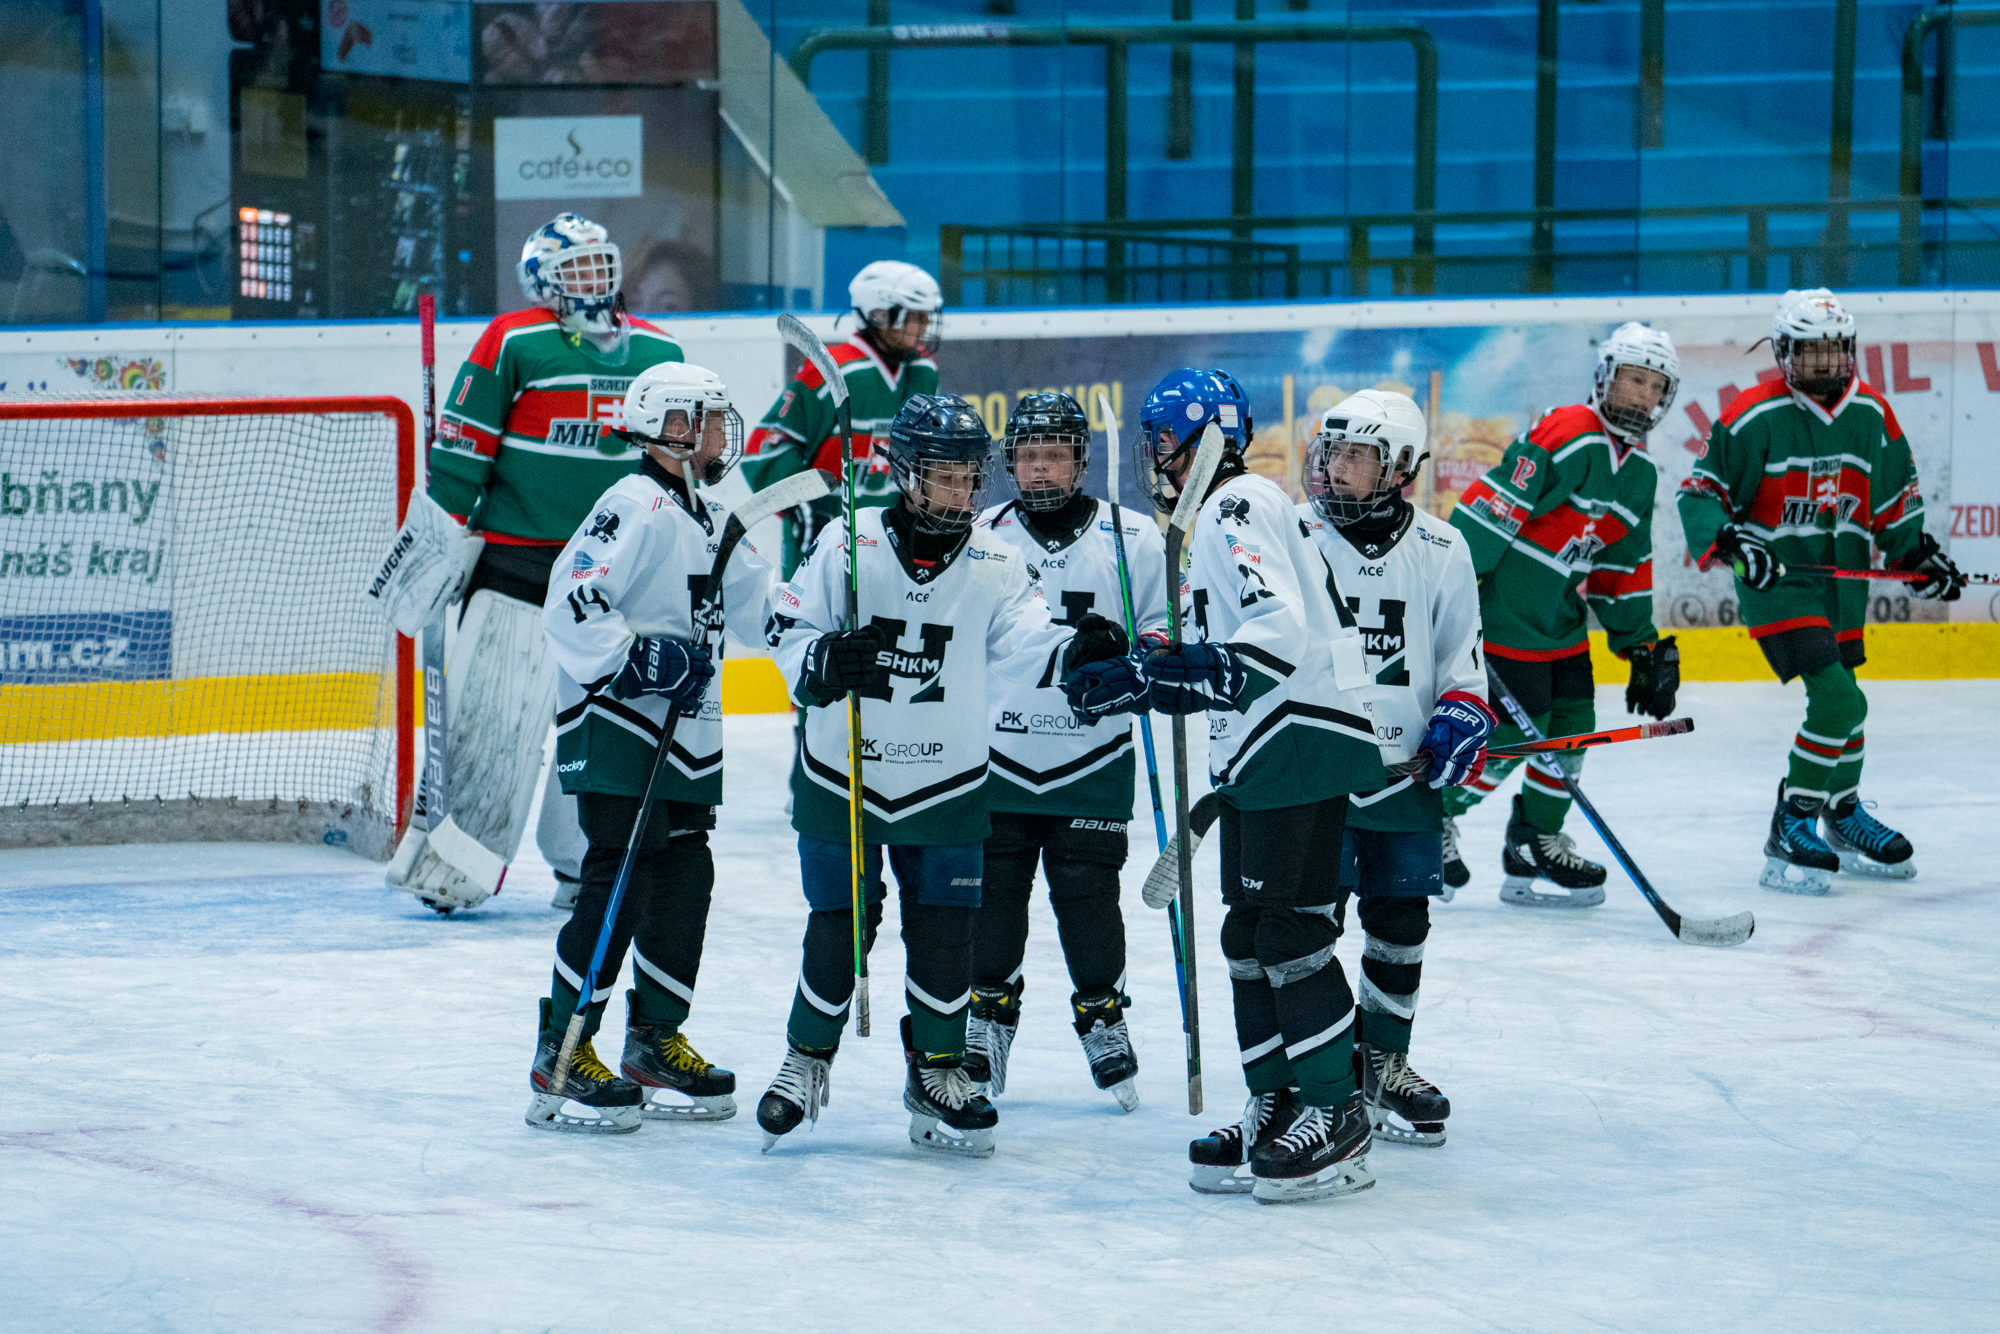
column 1396, row 919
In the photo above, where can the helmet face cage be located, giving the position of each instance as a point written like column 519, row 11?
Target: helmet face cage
column 1042, row 420
column 898, row 318
column 572, row 267
column 1807, row 318
column 1646, row 349
column 938, row 452
column 1818, row 383
column 1177, row 412
column 684, row 427
column 1342, row 508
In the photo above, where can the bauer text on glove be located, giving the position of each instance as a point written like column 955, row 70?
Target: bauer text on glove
column 676, row 668
column 1455, row 741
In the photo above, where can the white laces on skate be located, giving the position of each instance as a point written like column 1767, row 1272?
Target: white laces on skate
column 1311, row 1125
column 806, row 1082
column 1106, row 1040
column 1561, row 849
column 1397, row 1076
column 1450, row 839
column 948, row 1086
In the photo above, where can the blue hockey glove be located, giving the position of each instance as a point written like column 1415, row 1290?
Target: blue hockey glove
column 1194, row 679
column 676, row 668
column 1455, row 741
column 1110, row 685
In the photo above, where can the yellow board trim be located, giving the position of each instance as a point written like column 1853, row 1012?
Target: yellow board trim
column 1936, row 651
column 195, row 707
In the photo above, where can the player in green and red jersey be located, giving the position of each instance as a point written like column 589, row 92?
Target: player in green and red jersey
column 1813, row 469
column 884, row 361
column 519, row 460
column 1562, row 527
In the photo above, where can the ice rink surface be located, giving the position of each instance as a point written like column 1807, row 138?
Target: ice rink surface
column 247, row 1088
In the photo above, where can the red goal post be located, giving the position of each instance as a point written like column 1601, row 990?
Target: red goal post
column 186, row 648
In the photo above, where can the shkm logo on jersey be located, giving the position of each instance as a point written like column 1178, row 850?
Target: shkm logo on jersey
column 922, row 662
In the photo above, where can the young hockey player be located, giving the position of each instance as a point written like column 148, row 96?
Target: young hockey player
column 620, row 625
column 948, row 615
column 1061, row 788
column 1813, row 469
column 888, row 358
column 1273, row 657
column 1564, row 522
column 519, row 461
column 1410, row 583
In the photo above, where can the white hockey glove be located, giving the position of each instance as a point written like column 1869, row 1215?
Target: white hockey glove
column 426, row 567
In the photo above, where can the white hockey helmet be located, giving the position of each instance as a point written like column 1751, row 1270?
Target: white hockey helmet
column 1815, row 315
column 884, row 294
column 674, row 407
column 570, row 266
column 1381, row 428
column 1635, row 344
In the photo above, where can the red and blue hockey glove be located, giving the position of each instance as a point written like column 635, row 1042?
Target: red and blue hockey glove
column 1455, row 741
column 676, row 668
column 840, row 661
column 1656, row 678
column 1746, row 555
column 1927, row 557
column 1194, row 679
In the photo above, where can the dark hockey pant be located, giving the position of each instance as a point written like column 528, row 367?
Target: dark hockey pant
column 937, row 893
column 1294, row 1012
column 664, row 916
column 1391, row 875
column 1080, row 858
column 1561, row 698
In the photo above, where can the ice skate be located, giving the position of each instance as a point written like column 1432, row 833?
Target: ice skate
column 1796, row 859
column 989, row 1033
column 677, row 1083
column 1864, row 844
column 1220, row 1160
column 1531, row 855
column 1323, row 1153
column 947, row 1115
column 1456, row 876
column 1403, row 1106
column 1107, row 1044
column 802, row 1087
column 591, row 1100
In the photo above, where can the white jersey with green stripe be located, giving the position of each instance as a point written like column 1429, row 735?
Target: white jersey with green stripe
column 1417, row 602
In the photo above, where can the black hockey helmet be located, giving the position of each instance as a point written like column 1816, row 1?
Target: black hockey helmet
column 1047, row 419
column 938, row 451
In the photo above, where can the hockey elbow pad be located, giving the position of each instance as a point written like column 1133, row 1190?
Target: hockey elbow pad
column 840, row 661
column 1656, row 678
column 1194, row 678
column 1945, row 581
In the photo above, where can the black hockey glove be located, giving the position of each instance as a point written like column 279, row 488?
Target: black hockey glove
column 1194, row 678
column 1927, row 557
column 1095, row 640
column 840, row 661
column 676, row 668
column 1656, row 678
column 1747, row 555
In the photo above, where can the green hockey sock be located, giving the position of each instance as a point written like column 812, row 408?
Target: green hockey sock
column 1827, row 752
column 1268, row 1073
column 811, row 1027
column 1325, row 1075
column 652, row 1005
column 1381, row 1030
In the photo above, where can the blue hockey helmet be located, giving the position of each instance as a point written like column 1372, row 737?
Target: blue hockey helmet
column 1171, row 423
column 938, row 450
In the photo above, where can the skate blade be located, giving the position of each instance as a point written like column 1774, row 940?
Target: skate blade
column 1522, row 893
column 1391, row 1129
column 1209, row 1180
column 546, row 1111
column 770, row 1141
column 1861, row 864
column 1342, row 1178
column 1810, row 880
column 927, row 1132
column 717, row 1108
column 1127, row 1093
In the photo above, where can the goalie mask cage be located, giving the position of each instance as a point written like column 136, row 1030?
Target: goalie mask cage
column 187, row 651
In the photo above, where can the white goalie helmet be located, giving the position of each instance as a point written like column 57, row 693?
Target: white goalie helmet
column 1635, row 344
column 570, row 266
column 1369, row 446
column 1814, row 315
column 679, row 408
column 887, row 292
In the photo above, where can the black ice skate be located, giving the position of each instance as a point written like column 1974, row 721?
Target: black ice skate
column 989, row 1033
column 1220, row 1160
column 1796, row 859
column 947, row 1115
column 1323, row 1153
column 1403, row 1106
column 802, row 1087
column 1107, row 1043
column 1864, row 844
column 677, row 1083
column 1456, row 876
column 1531, row 855
column 591, row 1100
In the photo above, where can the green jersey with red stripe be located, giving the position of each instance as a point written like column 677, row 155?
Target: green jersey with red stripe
column 802, row 430
column 1564, row 520
column 520, row 423
column 1816, row 486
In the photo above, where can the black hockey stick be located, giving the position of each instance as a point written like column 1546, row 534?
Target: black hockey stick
column 1194, row 488
column 796, row 489
column 1712, row 931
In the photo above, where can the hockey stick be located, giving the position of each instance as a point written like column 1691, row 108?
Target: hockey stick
column 1163, row 882
column 431, row 793
column 803, row 486
column 1897, row 576
column 1194, row 489
column 809, row 345
column 1714, row 931
column 1580, row 741
column 1145, row 719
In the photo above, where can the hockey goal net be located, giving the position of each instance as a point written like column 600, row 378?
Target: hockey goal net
column 186, row 652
